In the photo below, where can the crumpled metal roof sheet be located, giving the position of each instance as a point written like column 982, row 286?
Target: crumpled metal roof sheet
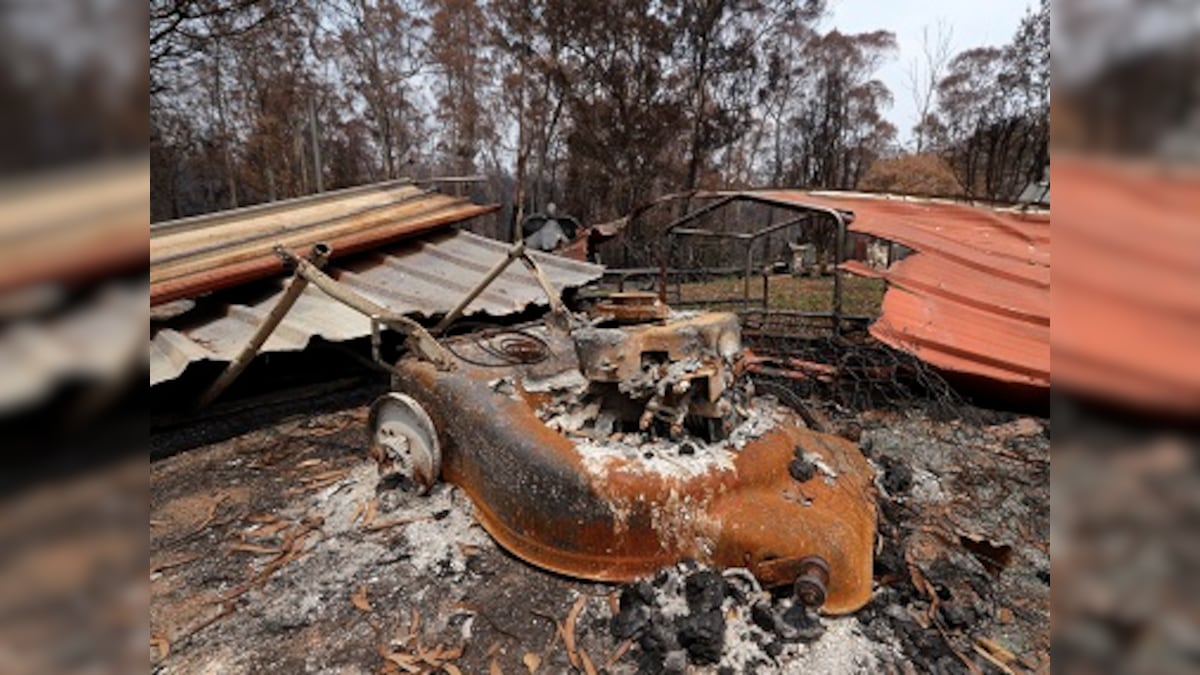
column 193, row 256
column 74, row 226
column 973, row 298
column 98, row 340
column 423, row 277
column 1127, row 298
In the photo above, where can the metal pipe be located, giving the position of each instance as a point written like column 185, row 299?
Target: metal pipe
column 771, row 229
column 837, row 271
column 699, row 232
column 749, row 273
column 766, row 288
column 517, row 250
column 418, row 339
column 559, row 317
column 708, row 208
column 317, row 257
column 665, row 262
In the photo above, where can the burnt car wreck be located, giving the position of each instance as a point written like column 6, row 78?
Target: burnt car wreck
column 609, row 446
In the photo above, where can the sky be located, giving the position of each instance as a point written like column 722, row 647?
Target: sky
column 973, row 23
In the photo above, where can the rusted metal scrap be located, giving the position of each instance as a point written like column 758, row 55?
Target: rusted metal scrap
column 194, row 256
column 632, row 307
column 611, row 450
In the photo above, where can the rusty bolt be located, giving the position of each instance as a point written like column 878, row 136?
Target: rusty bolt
column 811, row 584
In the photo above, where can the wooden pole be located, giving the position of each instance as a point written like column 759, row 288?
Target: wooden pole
column 515, row 252
column 318, row 256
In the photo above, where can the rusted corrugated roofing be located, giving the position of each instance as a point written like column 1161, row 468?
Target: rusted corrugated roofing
column 63, row 318
column 424, row 276
column 196, row 255
column 973, row 298
column 1127, row 298
column 74, row 226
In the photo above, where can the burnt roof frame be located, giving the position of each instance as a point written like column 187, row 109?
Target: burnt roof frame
column 840, row 217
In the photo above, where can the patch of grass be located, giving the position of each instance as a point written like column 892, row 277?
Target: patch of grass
column 860, row 296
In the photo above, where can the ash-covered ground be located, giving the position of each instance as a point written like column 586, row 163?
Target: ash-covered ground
column 278, row 550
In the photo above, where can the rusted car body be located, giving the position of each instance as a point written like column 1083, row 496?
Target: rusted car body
column 608, row 450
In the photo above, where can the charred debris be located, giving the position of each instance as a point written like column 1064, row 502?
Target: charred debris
column 763, row 498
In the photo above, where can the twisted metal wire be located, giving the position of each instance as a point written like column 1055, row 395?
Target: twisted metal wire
column 505, row 345
column 867, row 375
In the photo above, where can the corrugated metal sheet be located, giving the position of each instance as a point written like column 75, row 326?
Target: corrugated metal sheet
column 198, row 255
column 974, row 297
column 1127, row 297
column 421, row 277
column 97, row 341
column 74, row 226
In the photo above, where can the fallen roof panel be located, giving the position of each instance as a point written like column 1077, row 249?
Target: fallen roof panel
column 198, row 255
column 74, row 226
column 1127, row 299
column 423, row 277
column 95, row 341
column 973, row 298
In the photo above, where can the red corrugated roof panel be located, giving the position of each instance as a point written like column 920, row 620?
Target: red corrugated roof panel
column 974, row 297
column 1127, row 298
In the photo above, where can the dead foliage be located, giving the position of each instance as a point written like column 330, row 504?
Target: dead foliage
column 565, row 629
column 359, row 599
column 963, row 531
column 174, row 561
column 160, row 645
column 318, row 481
column 405, row 652
column 291, row 547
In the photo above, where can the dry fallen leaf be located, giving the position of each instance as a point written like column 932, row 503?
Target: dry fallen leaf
column 324, row 479
column 451, row 669
column 439, row 654
column 414, row 627
column 214, row 503
column 161, row 644
column 569, row 630
column 369, row 514
column 616, row 655
column 997, row 650
column 359, row 598
column 254, row 548
column 405, row 662
column 587, row 663
column 268, row 529
column 494, row 668
column 993, row 660
column 531, row 661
